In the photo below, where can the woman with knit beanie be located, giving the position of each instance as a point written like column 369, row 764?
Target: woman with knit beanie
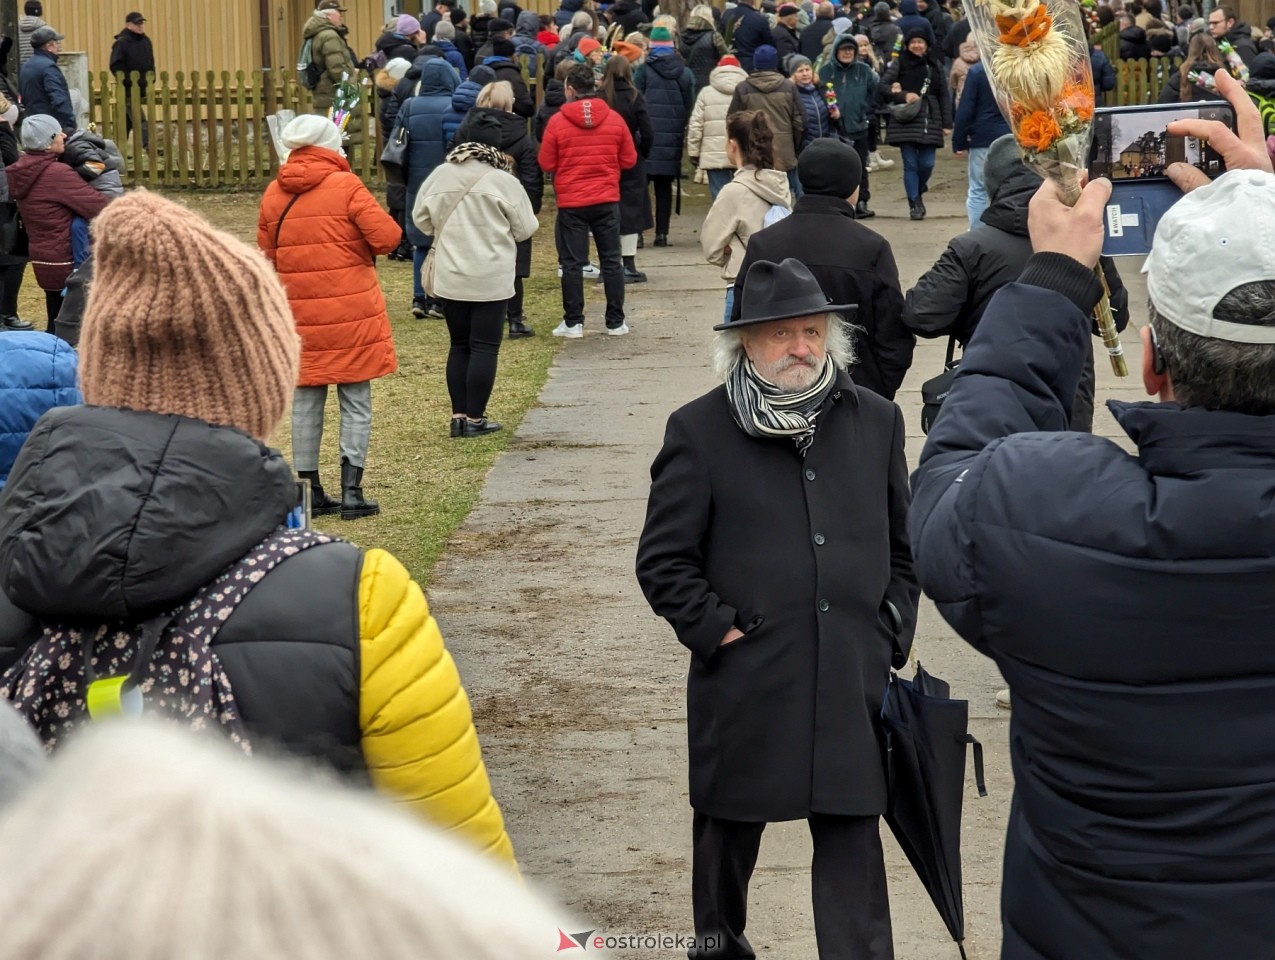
column 127, row 511
column 669, row 88
column 477, row 212
column 918, row 75
column 322, row 229
column 50, row 195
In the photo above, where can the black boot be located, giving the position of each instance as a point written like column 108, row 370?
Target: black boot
column 353, row 505
column 920, row 205
column 518, row 328
column 915, row 210
column 631, row 273
column 320, row 503
column 16, row 323
column 861, row 211
column 661, row 240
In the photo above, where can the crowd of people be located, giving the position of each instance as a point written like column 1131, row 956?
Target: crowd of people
column 126, row 583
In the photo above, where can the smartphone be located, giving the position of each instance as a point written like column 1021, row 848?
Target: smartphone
column 1132, row 148
column 299, row 515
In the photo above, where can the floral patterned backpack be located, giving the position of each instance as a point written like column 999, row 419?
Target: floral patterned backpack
column 164, row 664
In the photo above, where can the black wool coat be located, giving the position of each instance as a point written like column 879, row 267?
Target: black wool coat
column 804, row 555
column 635, row 201
column 853, row 265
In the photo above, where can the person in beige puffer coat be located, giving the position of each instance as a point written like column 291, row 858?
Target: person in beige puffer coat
column 742, row 205
column 706, row 130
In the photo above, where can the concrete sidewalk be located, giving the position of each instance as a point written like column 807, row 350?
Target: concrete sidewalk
column 579, row 691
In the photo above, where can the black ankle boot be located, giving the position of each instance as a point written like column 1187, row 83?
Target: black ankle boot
column 320, row 503
column 915, row 210
column 631, row 273
column 661, row 240
column 518, row 328
column 862, row 211
column 353, row 505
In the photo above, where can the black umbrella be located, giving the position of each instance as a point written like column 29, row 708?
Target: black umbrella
column 926, row 737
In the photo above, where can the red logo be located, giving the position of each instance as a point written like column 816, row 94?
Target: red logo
column 572, row 941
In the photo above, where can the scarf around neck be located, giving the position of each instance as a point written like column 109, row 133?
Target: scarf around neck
column 764, row 410
column 482, row 153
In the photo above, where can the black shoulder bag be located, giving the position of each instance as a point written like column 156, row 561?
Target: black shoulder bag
column 935, row 390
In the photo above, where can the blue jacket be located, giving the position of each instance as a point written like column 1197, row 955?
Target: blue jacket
column 911, row 19
column 463, row 98
column 818, row 121
column 855, row 86
column 752, row 30
column 423, row 115
column 1104, row 74
column 1127, row 599
column 978, row 119
column 452, row 56
column 562, row 16
column 44, row 89
column 37, row 373
column 670, row 93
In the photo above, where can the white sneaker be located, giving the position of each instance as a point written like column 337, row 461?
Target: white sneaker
column 588, row 270
column 878, row 162
column 571, row 333
column 619, row 331
column 1002, row 699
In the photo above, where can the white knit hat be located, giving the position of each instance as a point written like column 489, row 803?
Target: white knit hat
column 397, row 68
column 311, row 130
column 144, row 841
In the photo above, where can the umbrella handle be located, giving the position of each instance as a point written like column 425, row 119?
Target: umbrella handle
column 979, row 781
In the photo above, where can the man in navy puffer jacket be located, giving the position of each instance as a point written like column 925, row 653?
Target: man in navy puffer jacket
column 1126, row 596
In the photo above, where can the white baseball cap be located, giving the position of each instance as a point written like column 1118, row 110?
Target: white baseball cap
column 1213, row 240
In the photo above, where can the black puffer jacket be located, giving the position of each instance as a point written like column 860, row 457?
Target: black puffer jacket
column 118, row 514
column 1133, row 44
column 951, row 296
column 926, row 128
column 555, row 97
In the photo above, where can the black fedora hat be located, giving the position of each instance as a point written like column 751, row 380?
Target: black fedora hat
column 781, row 291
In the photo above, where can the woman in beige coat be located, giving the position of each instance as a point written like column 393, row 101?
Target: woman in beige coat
column 477, row 212
column 742, row 206
column 706, row 130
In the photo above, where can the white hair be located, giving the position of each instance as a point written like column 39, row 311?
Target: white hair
column 728, row 347
column 487, row 7
column 145, row 842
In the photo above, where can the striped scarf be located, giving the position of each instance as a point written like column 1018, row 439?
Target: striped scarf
column 763, row 410
column 482, row 153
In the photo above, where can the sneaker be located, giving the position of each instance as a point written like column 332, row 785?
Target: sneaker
column 1002, row 699
column 570, row 332
column 434, row 310
column 878, row 162
column 419, row 309
column 619, row 331
column 589, row 270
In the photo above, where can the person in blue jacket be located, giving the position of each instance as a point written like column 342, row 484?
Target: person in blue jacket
column 1125, row 590
column 978, row 123
column 41, row 83
column 37, row 373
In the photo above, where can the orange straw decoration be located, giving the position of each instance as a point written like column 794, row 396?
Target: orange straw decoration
column 1038, row 130
column 1030, row 29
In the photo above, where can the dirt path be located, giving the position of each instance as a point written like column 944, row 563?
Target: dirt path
column 579, row 690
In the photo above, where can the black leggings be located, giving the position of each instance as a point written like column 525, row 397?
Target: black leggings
column 515, row 302
column 663, row 187
column 10, row 284
column 52, row 305
column 476, row 330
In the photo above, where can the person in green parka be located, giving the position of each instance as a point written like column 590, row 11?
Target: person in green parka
column 326, row 31
column 855, row 86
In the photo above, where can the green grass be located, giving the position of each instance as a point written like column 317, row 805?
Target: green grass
column 425, row 481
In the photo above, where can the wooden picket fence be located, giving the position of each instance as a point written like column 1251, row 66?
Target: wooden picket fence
column 209, row 130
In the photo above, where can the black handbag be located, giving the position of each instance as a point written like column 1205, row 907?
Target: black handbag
column 13, row 232
column 394, row 157
column 935, row 390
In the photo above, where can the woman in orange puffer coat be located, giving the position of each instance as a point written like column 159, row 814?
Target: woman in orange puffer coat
column 322, row 229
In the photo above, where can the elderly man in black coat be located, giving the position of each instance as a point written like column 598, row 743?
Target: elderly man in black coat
column 852, row 263
column 775, row 546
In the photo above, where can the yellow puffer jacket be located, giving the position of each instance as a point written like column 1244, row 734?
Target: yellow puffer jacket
column 418, row 733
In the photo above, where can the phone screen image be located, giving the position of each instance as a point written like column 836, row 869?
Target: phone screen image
column 1135, row 144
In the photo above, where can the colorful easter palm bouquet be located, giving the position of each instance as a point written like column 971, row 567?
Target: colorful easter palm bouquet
column 345, row 100
column 1037, row 61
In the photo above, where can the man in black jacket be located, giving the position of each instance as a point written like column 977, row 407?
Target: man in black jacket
column 747, row 30
column 133, row 53
column 949, row 299
column 1224, row 24
column 1124, row 591
column 794, row 593
column 784, row 35
column 852, row 263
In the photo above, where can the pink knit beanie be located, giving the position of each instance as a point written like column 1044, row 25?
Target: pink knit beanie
column 183, row 318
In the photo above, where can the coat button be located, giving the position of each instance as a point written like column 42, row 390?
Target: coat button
column 819, row 539
column 810, row 474
column 823, row 606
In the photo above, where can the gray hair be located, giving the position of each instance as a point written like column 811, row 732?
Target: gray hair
column 1221, row 374
column 728, row 347
column 487, row 7
column 581, row 20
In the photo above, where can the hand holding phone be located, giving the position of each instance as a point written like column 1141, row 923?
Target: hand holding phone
column 1247, row 151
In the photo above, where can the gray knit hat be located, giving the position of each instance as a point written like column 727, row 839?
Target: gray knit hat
column 1003, row 158
column 39, row 131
